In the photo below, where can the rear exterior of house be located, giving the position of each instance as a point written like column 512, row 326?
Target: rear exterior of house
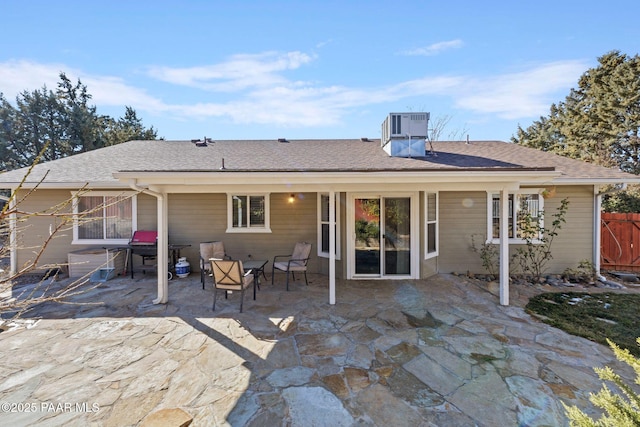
column 390, row 209
column 461, row 218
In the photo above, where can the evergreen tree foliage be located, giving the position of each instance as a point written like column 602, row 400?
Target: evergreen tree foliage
column 622, row 201
column 80, row 120
column 63, row 121
column 127, row 128
column 621, row 408
column 598, row 121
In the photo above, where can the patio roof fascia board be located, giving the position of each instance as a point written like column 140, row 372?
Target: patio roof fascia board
column 315, row 184
column 342, row 187
column 333, row 178
column 595, row 181
column 115, row 185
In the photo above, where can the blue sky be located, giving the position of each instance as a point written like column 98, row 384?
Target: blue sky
column 314, row 69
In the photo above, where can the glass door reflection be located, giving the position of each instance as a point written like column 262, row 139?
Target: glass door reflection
column 397, row 235
column 367, row 231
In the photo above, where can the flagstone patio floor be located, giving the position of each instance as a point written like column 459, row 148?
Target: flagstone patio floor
column 436, row 352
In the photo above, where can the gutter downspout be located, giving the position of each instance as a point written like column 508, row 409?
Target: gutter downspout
column 597, row 228
column 163, row 244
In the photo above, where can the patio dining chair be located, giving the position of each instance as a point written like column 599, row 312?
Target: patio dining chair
column 210, row 250
column 297, row 261
column 229, row 275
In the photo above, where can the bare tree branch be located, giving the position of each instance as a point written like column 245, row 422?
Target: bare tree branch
column 15, row 298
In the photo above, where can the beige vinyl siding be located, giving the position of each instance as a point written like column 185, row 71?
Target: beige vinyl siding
column 574, row 241
column 31, row 237
column 147, row 212
column 203, row 217
column 195, row 218
column 462, row 214
column 291, row 223
column 465, row 214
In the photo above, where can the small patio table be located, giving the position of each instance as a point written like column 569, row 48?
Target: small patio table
column 257, row 268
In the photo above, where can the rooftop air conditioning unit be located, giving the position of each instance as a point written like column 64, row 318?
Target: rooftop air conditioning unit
column 404, row 134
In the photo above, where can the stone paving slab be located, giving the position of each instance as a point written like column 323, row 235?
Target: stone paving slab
column 436, row 352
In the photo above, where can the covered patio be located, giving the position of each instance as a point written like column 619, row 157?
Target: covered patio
column 440, row 350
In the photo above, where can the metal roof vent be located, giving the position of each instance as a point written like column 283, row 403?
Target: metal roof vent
column 202, row 142
column 282, row 140
column 365, row 139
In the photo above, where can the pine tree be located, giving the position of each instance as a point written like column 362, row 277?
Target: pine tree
column 598, row 122
column 621, row 409
column 63, row 121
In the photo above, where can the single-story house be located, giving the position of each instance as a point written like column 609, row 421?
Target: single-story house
column 398, row 207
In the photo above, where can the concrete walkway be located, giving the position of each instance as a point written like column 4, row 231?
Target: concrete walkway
column 437, row 352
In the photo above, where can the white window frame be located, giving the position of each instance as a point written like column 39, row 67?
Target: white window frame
column 428, row 221
column 514, row 209
column 321, row 253
column 134, row 216
column 266, row 228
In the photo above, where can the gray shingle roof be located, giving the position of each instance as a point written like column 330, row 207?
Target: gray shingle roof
column 302, row 155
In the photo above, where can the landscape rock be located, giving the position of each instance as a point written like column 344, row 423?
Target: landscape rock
column 168, row 418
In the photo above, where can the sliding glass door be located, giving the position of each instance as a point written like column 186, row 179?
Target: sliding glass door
column 397, row 236
column 382, row 244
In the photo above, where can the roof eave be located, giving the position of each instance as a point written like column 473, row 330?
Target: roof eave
column 304, row 177
column 72, row 185
column 595, row 181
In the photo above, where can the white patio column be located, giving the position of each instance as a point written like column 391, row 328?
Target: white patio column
column 504, row 246
column 13, row 236
column 163, row 249
column 332, row 247
column 162, row 253
column 597, row 229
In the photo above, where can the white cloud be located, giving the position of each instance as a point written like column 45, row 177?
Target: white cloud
column 113, row 91
column 255, row 89
column 324, row 43
column 20, row 76
column 434, row 48
column 526, row 94
column 309, row 105
column 239, row 72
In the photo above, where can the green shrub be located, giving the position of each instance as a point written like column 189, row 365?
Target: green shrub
column 533, row 256
column 584, row 273
column 489, row 254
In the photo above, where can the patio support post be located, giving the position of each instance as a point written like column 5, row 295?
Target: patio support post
column 504, row 246
column 597, row 229
column 13, row 237
column 332, row 247
column 162, row 255
column 163, row 250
